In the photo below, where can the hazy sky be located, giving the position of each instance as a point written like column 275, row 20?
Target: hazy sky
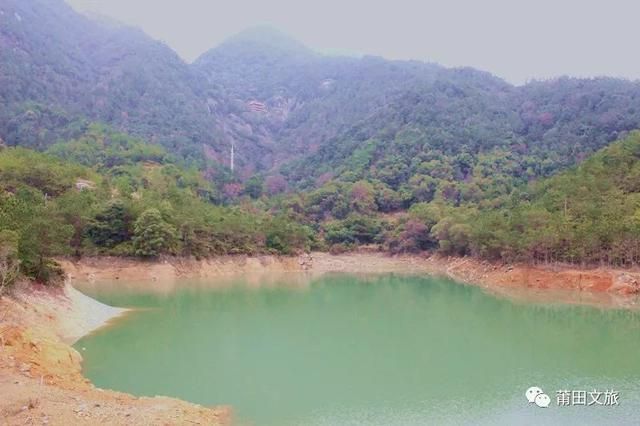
column 516, row 40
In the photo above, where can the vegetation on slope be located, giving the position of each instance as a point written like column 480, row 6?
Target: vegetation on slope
column 589, row 214
column 125, row 198
column 129, row 199
column 59, row 68
column 317, row 117
column 333, row 152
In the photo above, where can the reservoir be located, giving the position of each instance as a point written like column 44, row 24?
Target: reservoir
column 344, row 349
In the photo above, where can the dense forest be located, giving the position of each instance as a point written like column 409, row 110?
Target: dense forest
column 110, row 144
column 109, row 194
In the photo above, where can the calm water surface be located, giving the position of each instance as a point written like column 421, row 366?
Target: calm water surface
column 381, row 350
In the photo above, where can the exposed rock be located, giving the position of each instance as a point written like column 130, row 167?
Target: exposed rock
column 625, row 283
column 83, row 184
column 305, row 261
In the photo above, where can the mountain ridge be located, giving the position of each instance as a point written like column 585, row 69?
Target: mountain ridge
column 280, row 104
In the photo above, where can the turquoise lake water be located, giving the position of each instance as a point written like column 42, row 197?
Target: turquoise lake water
column 371, row 350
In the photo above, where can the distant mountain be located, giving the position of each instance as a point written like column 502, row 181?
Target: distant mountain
column 57, row 66
column 259, row 62
column 289, row 110
column 462, row 122
column 369, row 118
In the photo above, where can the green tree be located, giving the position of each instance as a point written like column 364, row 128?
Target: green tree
column 355, row 229
column 111, row 226
column 152, row 236
column 76, row 208
column 423, row 187
column 362, row 197
column 285, row 236
column 41, row 239
column 253, row 187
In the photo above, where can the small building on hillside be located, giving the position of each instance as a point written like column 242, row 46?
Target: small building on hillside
column 256, row 106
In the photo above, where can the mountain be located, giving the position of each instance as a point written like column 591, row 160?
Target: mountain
column 330, row 152
column 59, row 67
column 258, row 62
column 292, row 112
column 463, row 128
column 369, row 118
column 294, row 100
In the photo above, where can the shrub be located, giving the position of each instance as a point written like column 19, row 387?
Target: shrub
column 354, row 229
column 152, row 235
column 111, row 226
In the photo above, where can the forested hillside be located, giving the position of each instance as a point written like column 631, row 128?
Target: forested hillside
column 109, row 194
column 60, row 70
column 588, row 214
column 123, row 197
column 290, row 111
column 388, row 121
column 109, row 141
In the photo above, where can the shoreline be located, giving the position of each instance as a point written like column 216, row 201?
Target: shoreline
column 42, row 372
column 166, row 274
column 41, row 376
column 549, row 284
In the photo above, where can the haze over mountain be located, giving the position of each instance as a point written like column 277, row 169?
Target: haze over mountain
column 287, row 109
column 518, row 41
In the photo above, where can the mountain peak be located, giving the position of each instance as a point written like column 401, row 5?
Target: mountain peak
column 266, row 37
